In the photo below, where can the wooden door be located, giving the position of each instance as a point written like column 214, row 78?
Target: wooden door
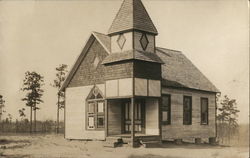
column 139, row 116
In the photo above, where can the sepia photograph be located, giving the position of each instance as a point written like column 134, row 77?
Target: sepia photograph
column 124, row 79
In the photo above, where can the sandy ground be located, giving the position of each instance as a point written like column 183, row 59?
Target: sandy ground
column 55, row 146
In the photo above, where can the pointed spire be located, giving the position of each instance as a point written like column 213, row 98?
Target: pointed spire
column 132, row 15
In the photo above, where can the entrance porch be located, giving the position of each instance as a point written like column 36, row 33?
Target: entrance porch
column 132, row 119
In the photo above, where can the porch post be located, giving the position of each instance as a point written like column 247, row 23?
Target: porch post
column 132, row 122
column 106, row 118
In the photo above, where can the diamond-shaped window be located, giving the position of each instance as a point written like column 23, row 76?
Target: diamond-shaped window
column 144, row 41
column 96, row 61
column 121, row 40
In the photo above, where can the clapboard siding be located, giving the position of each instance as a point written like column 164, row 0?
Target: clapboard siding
column 75, row 114
column 114, row 117
column 196, row 130
column 87, row 73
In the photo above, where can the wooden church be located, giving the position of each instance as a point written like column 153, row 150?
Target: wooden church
column 123, row 86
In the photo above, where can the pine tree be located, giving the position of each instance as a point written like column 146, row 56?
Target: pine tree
column 32, row 84
column 61, row 71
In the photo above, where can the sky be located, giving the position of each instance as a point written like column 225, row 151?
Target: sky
column 40, row 35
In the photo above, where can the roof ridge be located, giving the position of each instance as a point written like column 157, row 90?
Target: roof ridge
column 116, row 16
column 169, row 49
column 99, row 33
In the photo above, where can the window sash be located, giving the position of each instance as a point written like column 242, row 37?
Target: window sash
column 204, row 111
column 187, row 110
column 95, row 112
column 166, row 109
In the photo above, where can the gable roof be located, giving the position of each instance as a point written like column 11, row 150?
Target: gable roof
column 132, row 54
column 132, row 15
column 178, row 71
column 104, row 40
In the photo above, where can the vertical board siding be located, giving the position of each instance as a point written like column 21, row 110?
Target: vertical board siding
column 141, row 87
column 75, row 114
column 176, row 129
column 114, row 117
column 125, row 87
column 152, row 116
column 154, row 88
column 112, row 88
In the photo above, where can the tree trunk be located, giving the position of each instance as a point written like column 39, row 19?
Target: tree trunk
column 58, row 104
column 35, row 118
column 30, row 119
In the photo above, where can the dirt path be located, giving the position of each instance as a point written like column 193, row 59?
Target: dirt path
column 55, row 146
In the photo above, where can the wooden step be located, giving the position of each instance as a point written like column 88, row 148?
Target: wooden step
column 150, row 144
column 112, row 142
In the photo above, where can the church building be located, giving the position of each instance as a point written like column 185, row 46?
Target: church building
column 123, row 86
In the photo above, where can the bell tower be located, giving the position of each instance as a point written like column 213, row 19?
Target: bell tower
column 132, row 60
column 132, row 29
column 133, row 69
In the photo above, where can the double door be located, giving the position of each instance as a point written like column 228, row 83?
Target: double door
column 139, row 115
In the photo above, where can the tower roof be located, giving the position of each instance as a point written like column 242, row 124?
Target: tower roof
column 132, row 15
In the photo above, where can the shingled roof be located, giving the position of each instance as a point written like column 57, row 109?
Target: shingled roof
column 132, row 54
column 178, row 71
column 132, row 15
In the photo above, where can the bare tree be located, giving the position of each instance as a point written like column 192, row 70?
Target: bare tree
column 61, row 71
column 32, row 84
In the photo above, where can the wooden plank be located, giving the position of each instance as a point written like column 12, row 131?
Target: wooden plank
column 132, row 122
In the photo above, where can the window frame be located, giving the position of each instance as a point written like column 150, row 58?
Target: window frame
column 164, row 110
column 207, row 111
column 190, row 111
column 94, row 92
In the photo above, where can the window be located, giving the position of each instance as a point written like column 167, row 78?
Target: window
column 204, row 111
column 166, row 109
column 187, row 110
column 95, row 110
column 121, row 40
column 144, row 41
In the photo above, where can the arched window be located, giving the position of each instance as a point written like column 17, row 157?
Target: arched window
column 95, row 109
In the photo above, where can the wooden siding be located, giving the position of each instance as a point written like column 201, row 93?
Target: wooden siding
column 128, row 45
column 148, row 70
column 75, row 127
column 119, row 88
column 114, row 117
column 137, row 43
column 141, row 87
column 176, row 129
column 119, row 70
column 87, row 73
column 152, row 116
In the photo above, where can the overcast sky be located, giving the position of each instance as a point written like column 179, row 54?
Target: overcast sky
column 40, row 35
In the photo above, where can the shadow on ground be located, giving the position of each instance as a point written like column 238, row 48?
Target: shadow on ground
column 150, row 156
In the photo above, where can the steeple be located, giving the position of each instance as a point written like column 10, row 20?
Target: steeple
column 132, row 15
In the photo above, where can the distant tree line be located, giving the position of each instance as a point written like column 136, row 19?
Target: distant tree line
column 23, row 126
column 33, row 83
